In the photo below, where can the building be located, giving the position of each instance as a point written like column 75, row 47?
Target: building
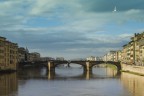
column 98, row 58
column 118, row 55
column 141, row 59
column 105, row 57
column 34, row 56
column 138, row 40
column 23, row 54
column 110, row 56
column 126, row 53
column 91, row 58
column 8, row 54
column 46, row 58
column 113, row 56
column 60, row 58
column 133, row 52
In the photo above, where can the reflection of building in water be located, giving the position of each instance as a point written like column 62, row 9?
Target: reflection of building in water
column 8, row 84
column 111, row 72
column 134, row 83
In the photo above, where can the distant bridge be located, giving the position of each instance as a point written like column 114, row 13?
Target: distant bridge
column 87, row 65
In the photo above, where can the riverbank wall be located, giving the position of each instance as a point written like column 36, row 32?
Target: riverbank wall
column 139, row 70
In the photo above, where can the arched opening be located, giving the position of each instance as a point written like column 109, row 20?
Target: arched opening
column 104, row 70
column 74, row 70
column 77, row 68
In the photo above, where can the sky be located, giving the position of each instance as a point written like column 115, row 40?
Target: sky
column 71, row 28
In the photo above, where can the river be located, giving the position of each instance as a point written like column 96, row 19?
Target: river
column 70, row 82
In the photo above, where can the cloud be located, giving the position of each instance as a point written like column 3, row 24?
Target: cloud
column 43, row 6
column 75, row 27
column 103, row 6
column 126, row 35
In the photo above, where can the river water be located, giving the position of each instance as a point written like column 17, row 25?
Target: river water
column 70, row 82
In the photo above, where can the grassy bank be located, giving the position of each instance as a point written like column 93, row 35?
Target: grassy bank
column 111, row 66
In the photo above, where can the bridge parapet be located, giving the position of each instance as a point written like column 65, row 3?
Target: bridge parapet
column 79, row 62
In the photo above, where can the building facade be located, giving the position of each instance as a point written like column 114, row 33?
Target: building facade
column 34, row 56
column 91, row 58
column 132, row 53
column 60, row 58
column 110, row 56
column 138, row 40
column 118, row 55
column 46, row 58
column 8, row 54
column 23, row 54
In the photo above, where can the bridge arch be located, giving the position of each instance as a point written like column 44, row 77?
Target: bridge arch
column 82, row 63
column 57, row 64
column 117, row 64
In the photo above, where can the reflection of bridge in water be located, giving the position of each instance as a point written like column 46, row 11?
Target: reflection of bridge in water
column 87, row 65
column 42, row 73
column 86, row 75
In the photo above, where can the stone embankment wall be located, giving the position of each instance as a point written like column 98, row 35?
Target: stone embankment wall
column 133, row 69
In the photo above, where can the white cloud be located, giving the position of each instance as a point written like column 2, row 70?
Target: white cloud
column 42, row 6
column 80, row 27
column 126, row 35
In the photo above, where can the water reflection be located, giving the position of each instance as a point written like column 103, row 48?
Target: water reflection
column 8, row 84
column 134, row 83
column 69, row 81
column 66, row 73
column 62, row 82
column 111, row 72
column 29, row 73
column 98, row 73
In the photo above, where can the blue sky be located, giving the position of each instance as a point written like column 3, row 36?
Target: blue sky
column 71, row 28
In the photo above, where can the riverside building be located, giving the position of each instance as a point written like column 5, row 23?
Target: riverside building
column 133, row 52
column 110, row 56
column 8, row 54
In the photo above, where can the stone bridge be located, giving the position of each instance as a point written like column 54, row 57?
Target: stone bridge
column 87, row 65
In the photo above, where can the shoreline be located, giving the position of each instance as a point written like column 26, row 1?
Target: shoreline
column 132, row 69
column 7, row 71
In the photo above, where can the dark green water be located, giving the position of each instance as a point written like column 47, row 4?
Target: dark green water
column 70, row 82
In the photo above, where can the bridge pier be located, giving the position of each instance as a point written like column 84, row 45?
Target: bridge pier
column 51, row 66
column 68, row 64
column 87, row 68
column 87, row 74
column 51, row 75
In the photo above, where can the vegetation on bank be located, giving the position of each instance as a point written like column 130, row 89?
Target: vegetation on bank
column 111, row 66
